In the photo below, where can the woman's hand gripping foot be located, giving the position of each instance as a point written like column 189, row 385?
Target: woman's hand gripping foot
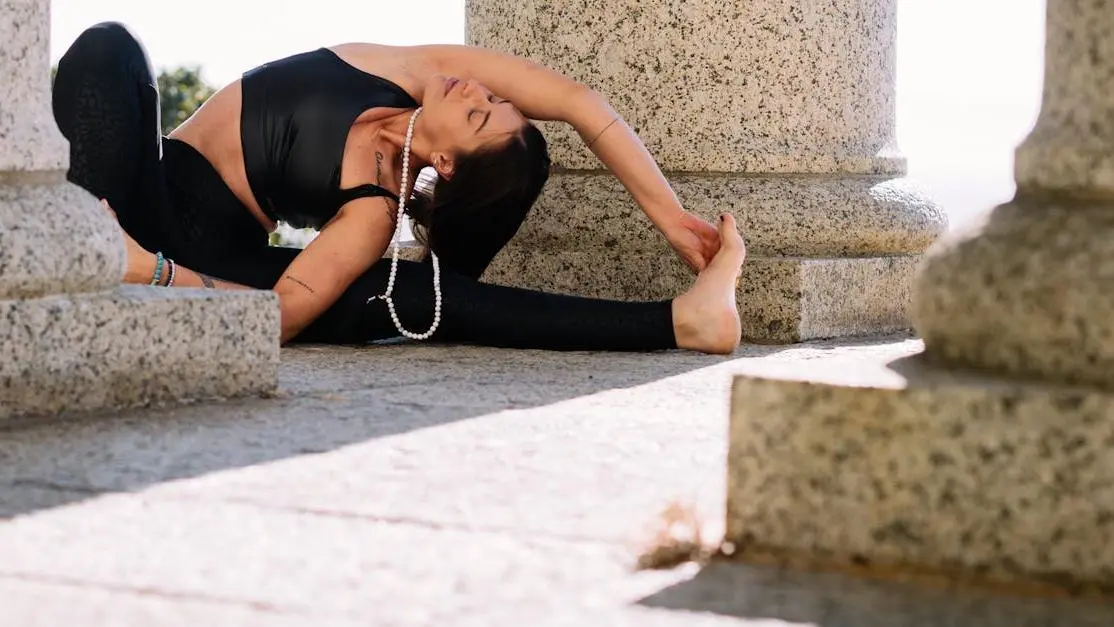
column 706, row 318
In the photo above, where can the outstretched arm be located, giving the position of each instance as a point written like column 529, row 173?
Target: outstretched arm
column 543, row 94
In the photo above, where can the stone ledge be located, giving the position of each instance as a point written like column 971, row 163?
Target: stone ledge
column 788, row 216
column 135, row 346
column 897, row 467
column 781, row 300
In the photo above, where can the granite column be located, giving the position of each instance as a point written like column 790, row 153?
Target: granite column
column 985, row 457
column 777, row 111
column 71, row 338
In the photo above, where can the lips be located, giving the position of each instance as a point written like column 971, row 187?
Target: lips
column 449, row 84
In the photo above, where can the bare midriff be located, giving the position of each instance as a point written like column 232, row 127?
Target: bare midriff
column 214, row 131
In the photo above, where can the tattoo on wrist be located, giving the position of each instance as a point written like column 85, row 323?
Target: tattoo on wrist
column 290, row 278
column 206, row 280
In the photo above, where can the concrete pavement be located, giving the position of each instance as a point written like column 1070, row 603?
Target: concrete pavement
column 423, row 485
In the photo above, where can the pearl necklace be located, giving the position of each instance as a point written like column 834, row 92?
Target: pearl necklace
column 386, row 296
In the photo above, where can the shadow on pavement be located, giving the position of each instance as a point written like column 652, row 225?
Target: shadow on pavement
column 795, row 599
column 330, row 397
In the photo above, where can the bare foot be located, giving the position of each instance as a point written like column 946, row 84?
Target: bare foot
column 706, row 318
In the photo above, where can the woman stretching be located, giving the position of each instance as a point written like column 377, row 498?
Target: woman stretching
column 333, row 139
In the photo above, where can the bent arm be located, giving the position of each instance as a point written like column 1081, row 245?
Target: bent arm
column 544, row 94
column 350, row 244
column 346, row 248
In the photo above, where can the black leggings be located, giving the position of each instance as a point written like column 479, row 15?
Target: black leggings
column 170, row 199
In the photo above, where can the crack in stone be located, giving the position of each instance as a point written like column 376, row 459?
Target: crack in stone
column 325, row 513
column 433, row 525
column 149, row 591
column 285, row 393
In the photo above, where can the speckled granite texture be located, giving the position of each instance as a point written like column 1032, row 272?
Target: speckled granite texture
column 137, row 345
column 1030, row 291
column 1071, row 147
column 54, row 238
column 778, row 215
column 780, row 113
column 893, row 468
column 713, row 86
column 71, row 340
column 29, row 139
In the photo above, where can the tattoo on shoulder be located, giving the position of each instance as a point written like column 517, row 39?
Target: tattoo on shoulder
column 290, row 278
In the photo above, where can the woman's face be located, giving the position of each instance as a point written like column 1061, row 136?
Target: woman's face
column 462, row 116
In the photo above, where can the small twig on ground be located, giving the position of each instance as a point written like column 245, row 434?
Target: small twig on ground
column 677, row 538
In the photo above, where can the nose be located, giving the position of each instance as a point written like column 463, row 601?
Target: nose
column 473, row 90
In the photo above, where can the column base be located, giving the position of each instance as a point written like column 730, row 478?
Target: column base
column 1028, row 292
column 828, row 256
column 899, row 469
column 135, row 346
column 54, row 238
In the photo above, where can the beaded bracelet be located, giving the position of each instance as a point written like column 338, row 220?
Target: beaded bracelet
column 170, row 282
column 155, row 280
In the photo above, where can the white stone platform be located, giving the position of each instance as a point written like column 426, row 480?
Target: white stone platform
column 424, row 485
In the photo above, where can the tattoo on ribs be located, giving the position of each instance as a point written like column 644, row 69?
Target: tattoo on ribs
column 379, row 180
column 290, row 278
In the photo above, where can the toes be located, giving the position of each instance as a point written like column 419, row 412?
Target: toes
column 728, row 230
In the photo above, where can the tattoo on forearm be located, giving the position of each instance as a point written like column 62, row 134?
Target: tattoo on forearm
column 206, row 280
column 290, row 278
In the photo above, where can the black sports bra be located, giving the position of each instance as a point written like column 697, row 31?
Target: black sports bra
column 294, row 123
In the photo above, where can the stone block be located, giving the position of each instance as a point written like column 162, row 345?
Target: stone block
column 54, row 238
column 787, row 300
column 893, row 467
column 135, row 345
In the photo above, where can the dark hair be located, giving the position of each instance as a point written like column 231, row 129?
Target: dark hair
column 489, row 195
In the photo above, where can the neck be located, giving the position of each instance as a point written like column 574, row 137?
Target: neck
column 392, row 130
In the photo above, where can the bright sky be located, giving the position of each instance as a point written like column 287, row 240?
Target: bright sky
column 969, row 73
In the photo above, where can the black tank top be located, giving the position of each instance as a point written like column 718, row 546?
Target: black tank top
column 295, row 119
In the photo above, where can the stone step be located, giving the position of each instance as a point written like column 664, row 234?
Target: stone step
column 781, row 299
column 136, row 345
column 892, row 465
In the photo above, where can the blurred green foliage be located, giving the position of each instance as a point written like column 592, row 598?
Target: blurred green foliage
column 181, row 92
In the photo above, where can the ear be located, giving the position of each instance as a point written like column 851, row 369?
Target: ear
column 444, row 164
